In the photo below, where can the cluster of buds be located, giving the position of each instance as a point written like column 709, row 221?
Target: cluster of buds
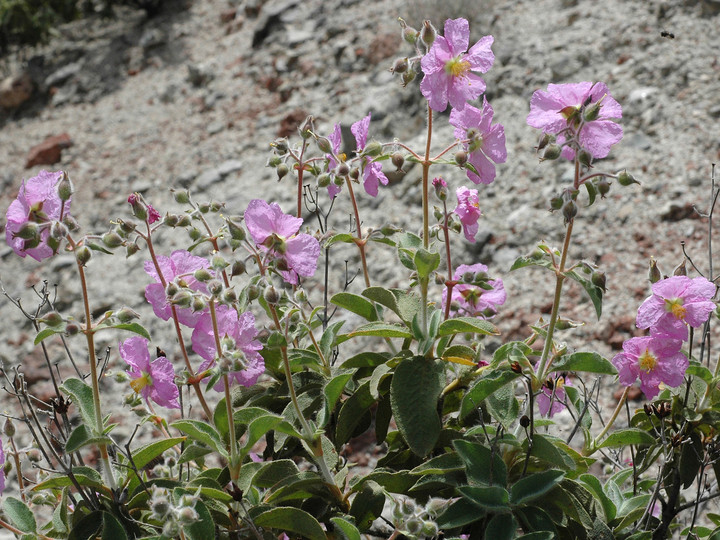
column 422, row 40
column 176, row 517
column 415, row 521
column 566, row 202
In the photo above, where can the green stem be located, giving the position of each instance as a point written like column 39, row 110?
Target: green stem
column 620, row 405
column 426, row 214
column 234, row 457
column 360, row 243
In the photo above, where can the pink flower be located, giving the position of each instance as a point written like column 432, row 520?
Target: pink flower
column 335, row 139
column 562, row 111
column 142, row 209
column 276, row 234
column 37, row 203
column 239, row 343
column 152, row 380
column 372, row 170
column 468, row 210
column 179, row 268
column 449, row 70
column 472, row 300
column 654, row 360
column 551, row 401
column 676, row 302
column 487, row 142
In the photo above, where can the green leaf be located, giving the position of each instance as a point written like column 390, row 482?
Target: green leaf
column 625, row 437
column 503, row 406
column 460, row 513
column 112, row 528
column 134, row 327
column 482, row 465
column 274, row 472
column 49, row 331
column 260, row 426
column 367, row 505
column 96, row 247
column 501, row 527
column 346, row 238
column 85, row 476
column 20, row 515
column 332, row 392
column 404, row 303
column 522, row 262
column 588, row 362
column 540, row 535
column 594, row 292
column 492, row 498
column 60, row 514
column 347, row 530
column 81, row 436
column 465, row 325
column 356, row 304
column 286, row 518
column 352, row 412
column 700, row 371
column 86, row 527
column 534, row 486
column 592, row 483
column 382, row 330
column 414, row 391
column 202, row 432
column 426, row 262
column 145, row 454
column 82, row 396
column 484, row 387
column 592, row 192
column 366, row 359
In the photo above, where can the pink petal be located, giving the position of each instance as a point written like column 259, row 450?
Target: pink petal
column 435, row 89
column 480, row 57
column 134, row 350
column 302, row 254
column 484, row 166
column 457, row 34
column 598, row 136
column 360, row 129
column 494, row 145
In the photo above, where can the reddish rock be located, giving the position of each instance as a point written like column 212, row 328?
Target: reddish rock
column 15, row 90
column 49, row 151
column 291, row 122
column 227, row 15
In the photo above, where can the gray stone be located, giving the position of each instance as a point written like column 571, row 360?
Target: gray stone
column 229, row 166
column 63, row 74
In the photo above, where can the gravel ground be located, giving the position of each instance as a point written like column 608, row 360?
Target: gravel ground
column 191, row 98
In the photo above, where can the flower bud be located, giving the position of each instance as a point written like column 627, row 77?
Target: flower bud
column 126, row 227
column 187, row 515
column 307, row 128
column 160, row 507
column 400, row 65
column 282, row 170
column 355, row 173
column 65, row 188
column 125, row 315
column 626, row 179
column 83, row 255
column 29, row 231
column 71, row 223
column 280, row 146
column 438, row 214
column 171, row 220
column 301, row 296
column 569, row 210
column 598, row 279
column 544, row 141
column 654, row 274
column 195, row 234
column 216, row 206
column 680, row 270
column 52, row 242
column 461, row 157
column 138, row 208
column 112, row 239
column 218, row 263
column 131, row 249
column 324, row 180
column 215, row 287
column 398, row 160
column 428, row 33
column 204, row 208
column 229, row 296
column 253, row 292
column 58, row 230
column 409, row 34
column 182, row 196
column 408, row 77
column 184, row 221
column 603, row 187
column 525, row 421
column 324, row 145
column 236, row 231
column 389, row 230
column 171, row 529
column 121, row 377
column 34, row 455
column 202, row 274
column 556, row 203
column 182, row 299
column 238, row 268
column 271, row 295
column 171, row 289
column 592, row 112
column 413, row 526
column 373, row 148
column 198, row 304
column 338, row 180
column 585, row 158
column 72, row 329
column 342, row 169
column 551, row 152
column 9, row 428
column 429, row 529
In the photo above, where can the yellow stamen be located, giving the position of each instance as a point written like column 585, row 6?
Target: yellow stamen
column 141, row 382
column 457, row 67
column 675, row 306
column 647, row 361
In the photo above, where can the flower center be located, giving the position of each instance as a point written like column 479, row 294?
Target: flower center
column 457, row 67
column 675, row 306
column 141, row 382
column 276, row 243
column 647, row 361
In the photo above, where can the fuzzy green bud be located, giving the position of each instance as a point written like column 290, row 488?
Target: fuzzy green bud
column 271, row 295
column 324, row 180
column 556, row 203
column 182, row 299
column 72, row 329
column 202, row 274
column 112, row 239
column 184, row 221
column 461, row 157
column 398, row 160
column 544, row 141
column 71, row 223
column 400, row 65
column 253, row 292
column 551, row 152
column 408, row 77
column 171, row 220
column 171, row 289
column 282, row 171
column 324, row 145
column 198, row 304
column 301, row 296
column 389, row 230
column 585, row 158
column 65, row 188
column 83, row 255
column 127, row 226
column 373, row 148
column 603, row 187
column 29, row 231
column 428, row 33
column 569, row 210
column 592, row 112
column 654, row 274
column 238, row 268
column 215, row 287
column 281, row 146
column 131, row 249
column 355, row 173
column 195, row 234
column 9, row 428
column 204, row 208
column 680, row 270
column 182, row 196
column 229, row 296
column 125, row 315
column 58, row 230
column 409, row 34
column 626, row 179
column 218, row 263
column 598, row 279
column 342, row 169
column 52, row 318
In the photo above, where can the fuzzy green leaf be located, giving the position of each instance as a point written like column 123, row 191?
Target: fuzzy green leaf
column 356, row 304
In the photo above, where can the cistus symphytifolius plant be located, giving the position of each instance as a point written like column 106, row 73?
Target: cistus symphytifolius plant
column 273, row 361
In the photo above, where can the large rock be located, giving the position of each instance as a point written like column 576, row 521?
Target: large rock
column 49, row 151
column 15, row 90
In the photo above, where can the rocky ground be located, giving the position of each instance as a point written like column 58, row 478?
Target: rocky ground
column 192, row 97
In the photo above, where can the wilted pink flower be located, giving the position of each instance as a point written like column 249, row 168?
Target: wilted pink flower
column 568, row 111
column 654, row 360
column 487, row 141
column 37, row 203
column 142, row 209
column 276, row 233
column 551, row 401
column 152, row 380
column 468, row 210
column 180, row 263
column 472, row 300
column 238, row 339
column 676, row 302
column 372, row 170
column 449, row 70
column 335, row 139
